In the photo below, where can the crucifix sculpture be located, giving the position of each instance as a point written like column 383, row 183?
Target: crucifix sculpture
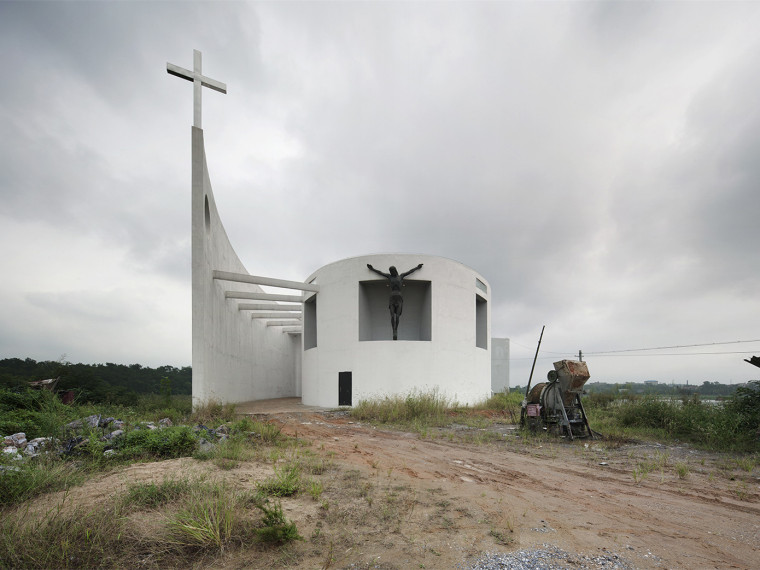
column 396, row 302
column 199, row 80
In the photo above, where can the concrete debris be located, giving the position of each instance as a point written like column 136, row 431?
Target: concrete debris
column 112, row 435
column 93, row 420
column 17, row 447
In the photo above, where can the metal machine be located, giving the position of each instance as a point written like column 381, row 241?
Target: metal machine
column 556, row 405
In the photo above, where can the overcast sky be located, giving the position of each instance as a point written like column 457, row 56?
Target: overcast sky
column 597, row 163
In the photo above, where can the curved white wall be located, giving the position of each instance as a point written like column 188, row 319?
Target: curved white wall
column 235, row 358
column 441, row 309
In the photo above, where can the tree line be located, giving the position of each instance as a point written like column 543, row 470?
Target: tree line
column 704, row 390
column 107, row 383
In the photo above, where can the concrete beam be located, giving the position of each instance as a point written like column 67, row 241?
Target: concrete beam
column 276, row 315
column 267, row 307
column 292, row 330
column 262, row 296
column 258, row 280
column 280, row 323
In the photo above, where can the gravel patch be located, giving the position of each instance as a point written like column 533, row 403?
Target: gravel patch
column 547, row 558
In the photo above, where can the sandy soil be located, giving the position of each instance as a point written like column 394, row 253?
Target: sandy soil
column 396, row 500
column 581, row 496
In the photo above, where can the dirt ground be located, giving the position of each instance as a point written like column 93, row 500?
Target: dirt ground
column 580, row 496
column 398, row 500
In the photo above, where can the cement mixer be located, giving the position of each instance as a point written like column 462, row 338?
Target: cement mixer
column 556, row 405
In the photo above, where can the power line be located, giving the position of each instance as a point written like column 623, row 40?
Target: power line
column 601, row 355
column 675, row 346
column 607, row 355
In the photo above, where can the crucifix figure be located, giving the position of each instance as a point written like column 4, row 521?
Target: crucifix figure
column 199, row 80
column 396, row 302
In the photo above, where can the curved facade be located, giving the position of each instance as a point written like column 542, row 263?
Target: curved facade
column 236, row 357
column 444, row 332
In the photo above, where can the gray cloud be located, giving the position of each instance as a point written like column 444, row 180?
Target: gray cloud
column 594, row 161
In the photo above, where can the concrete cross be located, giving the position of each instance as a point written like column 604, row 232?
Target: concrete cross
column 199, row 80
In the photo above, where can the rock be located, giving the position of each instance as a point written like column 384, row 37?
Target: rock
column 119, row 424
column 166, row 422
column 151, row 426
column 105, row 421
column 9, row 468
column 200, row 427
column 12, row 452
column 109, row 452
column 93, row 420
column 112, row 435
column 223, row 429
column 70, row 444
column 75, row 425
column 19, row 439
column 205, row 446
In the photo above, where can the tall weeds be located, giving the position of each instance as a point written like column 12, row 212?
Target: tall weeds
column 428, row 408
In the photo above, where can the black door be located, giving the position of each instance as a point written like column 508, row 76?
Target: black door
column 344, row 388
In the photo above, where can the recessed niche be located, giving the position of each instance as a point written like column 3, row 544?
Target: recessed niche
column 310, row 323
column 206, row 214
column 375, row 318
column 481, row 322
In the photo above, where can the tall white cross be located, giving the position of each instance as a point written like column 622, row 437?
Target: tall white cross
column 199, row 80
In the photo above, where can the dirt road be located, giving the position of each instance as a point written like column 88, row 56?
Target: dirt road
column 681, row 508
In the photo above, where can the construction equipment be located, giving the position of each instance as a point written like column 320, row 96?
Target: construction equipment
column 556, row 405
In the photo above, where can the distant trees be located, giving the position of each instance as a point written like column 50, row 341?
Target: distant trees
column 107, row 383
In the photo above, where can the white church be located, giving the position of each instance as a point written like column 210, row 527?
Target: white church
column 329, row 339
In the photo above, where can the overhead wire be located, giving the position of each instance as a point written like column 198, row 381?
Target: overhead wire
column 608, row 353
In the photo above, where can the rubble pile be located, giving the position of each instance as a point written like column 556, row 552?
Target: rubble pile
column 76, row 435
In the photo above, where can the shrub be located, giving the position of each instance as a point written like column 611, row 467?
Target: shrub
column 745, row 403
column 165, row 443
column 37, row 413
column 276, row 527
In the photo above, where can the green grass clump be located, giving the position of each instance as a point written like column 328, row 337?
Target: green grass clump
column 285, row 482
column 502, row 401
column 165, row 443
column 208, row 520
column 213, row 412
column 415, row 409
column 62, row 538
column 152, row 495
column 23, row 480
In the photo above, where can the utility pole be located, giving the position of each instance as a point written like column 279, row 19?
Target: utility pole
column 580, row 355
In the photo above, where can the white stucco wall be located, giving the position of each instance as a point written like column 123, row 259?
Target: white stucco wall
column 235, row 358
column 499, row 365
column 450, row 361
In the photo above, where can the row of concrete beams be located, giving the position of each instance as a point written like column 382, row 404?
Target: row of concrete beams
column 290, row 315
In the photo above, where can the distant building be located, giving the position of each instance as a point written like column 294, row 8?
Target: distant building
column 651, row 382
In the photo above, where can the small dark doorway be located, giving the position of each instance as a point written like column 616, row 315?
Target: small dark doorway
column 344, row 388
